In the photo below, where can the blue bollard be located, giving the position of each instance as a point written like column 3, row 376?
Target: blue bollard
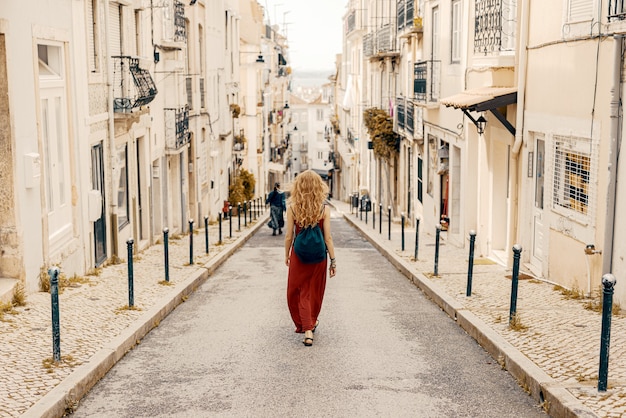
column 219, row 221
column 166, row 254
column 190, row 241
column 206, row 234
column 517, row 250
column 402, row 231
column 131, row 290
column 470, row 264
column 380, row 221
column 608, row 283
column 389, row 222
column 56, row 323
column 437, row 235
column 417, row 237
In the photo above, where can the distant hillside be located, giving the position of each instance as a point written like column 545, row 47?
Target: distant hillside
column 310, row 78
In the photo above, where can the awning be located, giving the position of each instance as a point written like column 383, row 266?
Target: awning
column 281, row 59
column 481, row 99
column 276, row 167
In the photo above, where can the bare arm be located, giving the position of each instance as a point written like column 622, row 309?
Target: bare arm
column 328, row 239
column 288, row 235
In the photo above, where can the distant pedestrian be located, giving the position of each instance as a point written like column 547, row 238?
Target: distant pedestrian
column 276, row 200
column 307, row 282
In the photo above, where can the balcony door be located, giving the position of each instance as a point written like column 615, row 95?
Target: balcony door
column 537, row 255
column 97, row 183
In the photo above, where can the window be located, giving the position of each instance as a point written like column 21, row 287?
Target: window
column 455, row 48
column 420, row 180
column 572, row 162
column 579, row 10
column 320, row 114
column 122, row 187
column 435, row 34
column 92, row 35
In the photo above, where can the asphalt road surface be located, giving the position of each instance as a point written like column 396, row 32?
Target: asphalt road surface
column 382, row 350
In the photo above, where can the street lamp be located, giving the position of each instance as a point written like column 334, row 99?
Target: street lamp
column 481, row 122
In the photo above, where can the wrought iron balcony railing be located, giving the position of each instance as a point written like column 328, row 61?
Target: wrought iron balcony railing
column 368, row 44
column 400, row 112
column 177, row 132
column 426, row 81
column 494, row 26
column 385, row 39
column 617, row 10
column 133, row 86
column 410, row 119
column 405, row 12
column 180, row 29
column 351, row 22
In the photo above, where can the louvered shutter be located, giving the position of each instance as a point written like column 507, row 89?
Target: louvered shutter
column 91, row 37
column 579, row 10
column 115, row 36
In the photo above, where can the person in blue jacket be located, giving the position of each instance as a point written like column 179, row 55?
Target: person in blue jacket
column 276, row 200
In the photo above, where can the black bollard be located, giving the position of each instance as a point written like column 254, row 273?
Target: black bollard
column 250, row 210
column 230, row 221
column 517, row 250
column 366, row 212
column 190, row 241
column 470, row 264
column 437, row 235
column 206, row 234
column 389, row 222
column 417, row 237
column 56, row 323
column 380, row 221
column 608, row 283
column 131, row 291
column 245, row 213
column 219, row 221
column 166, row 253
column 402, row 230
column 238, row 216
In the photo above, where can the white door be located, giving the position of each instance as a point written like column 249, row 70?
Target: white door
column 537, row 221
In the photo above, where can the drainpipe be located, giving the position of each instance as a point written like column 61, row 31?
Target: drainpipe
column 109, row 68
column 616, row 137
column 521, row 79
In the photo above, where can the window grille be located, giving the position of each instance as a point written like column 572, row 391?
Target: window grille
column 574, row 162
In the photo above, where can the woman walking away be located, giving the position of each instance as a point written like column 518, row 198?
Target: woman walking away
column 307, row 277
column 276, row 199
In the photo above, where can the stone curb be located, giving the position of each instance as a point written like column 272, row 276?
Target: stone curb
column 530, row 377
column 67, row 394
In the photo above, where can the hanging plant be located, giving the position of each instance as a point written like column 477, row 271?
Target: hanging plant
column 235, row 110
column 379, row 126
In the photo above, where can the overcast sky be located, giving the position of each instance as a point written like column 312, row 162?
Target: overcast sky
column 314, row 30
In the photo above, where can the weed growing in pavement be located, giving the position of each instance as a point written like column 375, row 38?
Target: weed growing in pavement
column 516, row 323
column 184, row 298
column 574, row 293
column 498, row 319
column 501, row 362
column 19, row 295
column 6, row 308
column 70, row 406
column 44, row 279
column 597, row 301
column 126, row 308
column 66, row 361
column 94, row 272
column 164, row 283
column 545, row 405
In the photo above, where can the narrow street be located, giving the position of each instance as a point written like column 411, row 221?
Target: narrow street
column 382, row 349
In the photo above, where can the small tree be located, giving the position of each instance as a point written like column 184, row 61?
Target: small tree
column 236, row 192
column 248, row 181
column 380, row 128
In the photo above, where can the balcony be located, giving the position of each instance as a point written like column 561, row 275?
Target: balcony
column 368, row 44
column 351, row 22
column 177, row 132
column 426, row 81
column 386, row 41
column 405, row 12
column 180, row 29
column 617, row 10
column 494, row 26
column 133, row 86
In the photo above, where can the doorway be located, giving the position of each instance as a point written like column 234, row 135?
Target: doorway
column 537, row 255
column 99, row 226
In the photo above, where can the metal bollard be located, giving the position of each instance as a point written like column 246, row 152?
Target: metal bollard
column 517, row 250
column 206, row 234
column 245, row 213
column 437, row 235
column 470, row 264
column 131, row 291
column 361, row 209
column 417, row 237
column 190, row 241
column 380, row 221
column 166, row 253
column 608, row 283
column 250, row 209
column 219, row 221
column 402, row 231
column 366, row 212
column 238, row 216
column 56, row 323
column 389, row 222
column 373, row 216
column 230, row 221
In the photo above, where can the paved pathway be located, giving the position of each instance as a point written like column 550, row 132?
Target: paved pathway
column 555, row 357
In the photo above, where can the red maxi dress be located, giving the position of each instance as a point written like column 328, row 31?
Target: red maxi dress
column 306, row 284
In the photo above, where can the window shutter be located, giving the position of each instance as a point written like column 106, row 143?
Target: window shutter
column 91, row 37
column 579, row 10
column 115, row 36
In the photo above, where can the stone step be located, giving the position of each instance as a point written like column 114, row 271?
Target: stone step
column 6, row 289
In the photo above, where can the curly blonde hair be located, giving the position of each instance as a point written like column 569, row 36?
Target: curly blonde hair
column 308, row 193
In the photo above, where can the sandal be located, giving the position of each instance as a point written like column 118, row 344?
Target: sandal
column 308, row 342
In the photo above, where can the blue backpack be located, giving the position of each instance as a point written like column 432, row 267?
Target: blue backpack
column 309, row 245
